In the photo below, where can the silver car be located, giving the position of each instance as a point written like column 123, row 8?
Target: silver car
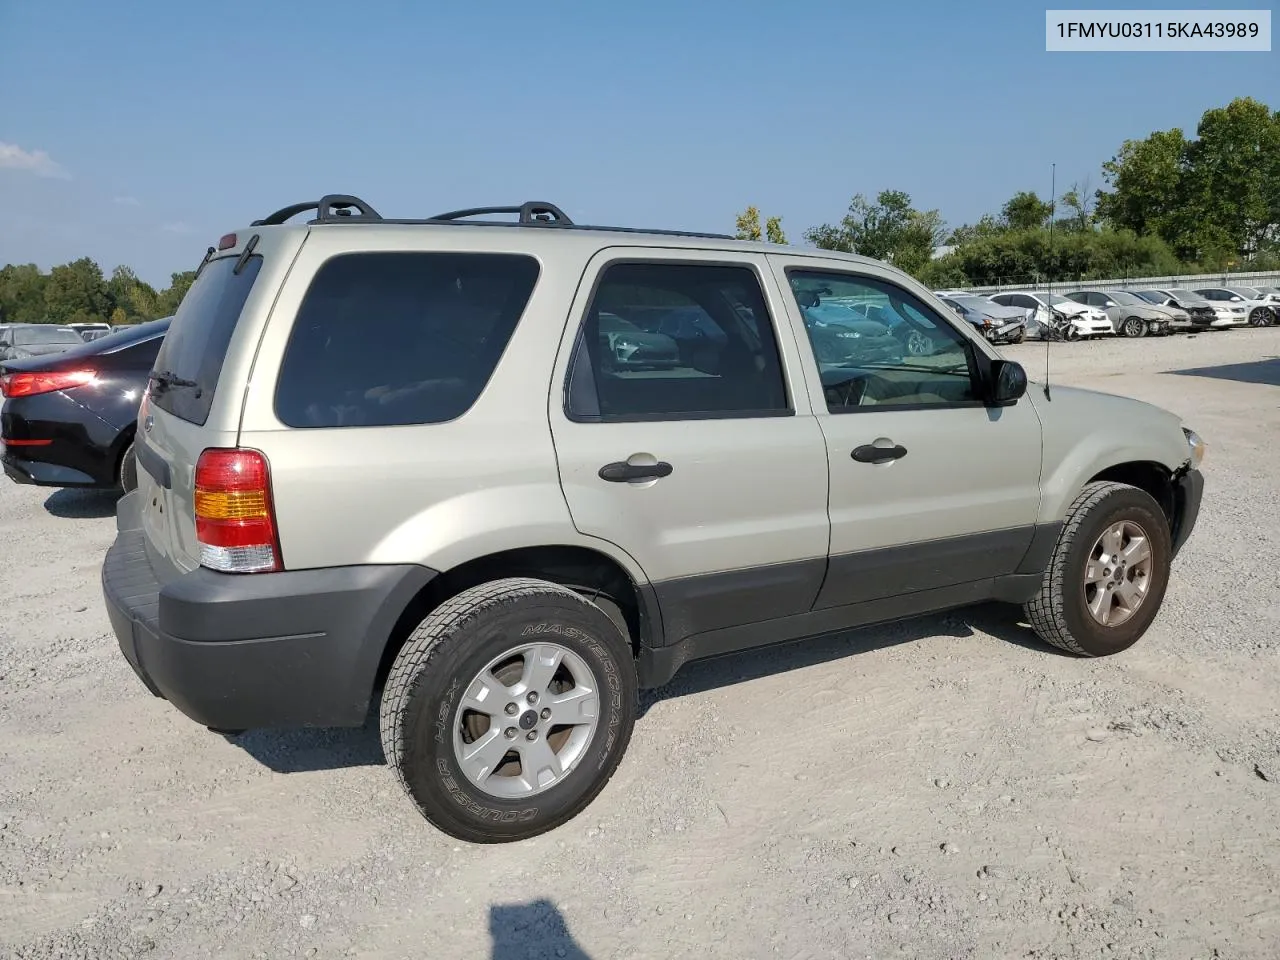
column 394, row 463
column 1130, row 316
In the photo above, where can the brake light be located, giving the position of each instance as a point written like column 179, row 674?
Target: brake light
column 226, row 241
column 235, row 517
column 31, row 384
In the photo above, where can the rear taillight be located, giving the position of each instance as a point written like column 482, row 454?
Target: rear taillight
column 30, row 384
column 235, row 518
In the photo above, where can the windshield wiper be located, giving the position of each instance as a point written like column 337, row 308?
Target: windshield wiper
column 167, row 379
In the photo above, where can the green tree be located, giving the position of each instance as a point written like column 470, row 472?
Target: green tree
column 1025, row 211
column 1033, row 257
column 77, row 293
column 135, row 297
column 1231, row 183
column 167, row 302
column 890, row 229
column 748, row 227
column 22, row 294
column 1146, row 180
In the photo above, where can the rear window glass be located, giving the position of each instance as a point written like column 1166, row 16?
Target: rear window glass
column 39, row 336
column 196, row 343
column 387, row 339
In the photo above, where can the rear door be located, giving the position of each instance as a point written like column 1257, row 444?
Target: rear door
column 685, row 436
column 194, row 397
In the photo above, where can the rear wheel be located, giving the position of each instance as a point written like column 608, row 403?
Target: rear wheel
column 1108, row 573
column 508, row 709
column 128, row 475
column 1133, row 327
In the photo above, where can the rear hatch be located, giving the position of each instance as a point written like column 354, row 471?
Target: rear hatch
column 193, row 401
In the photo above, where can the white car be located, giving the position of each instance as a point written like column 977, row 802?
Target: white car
column 1259, row 313
column 1086, row 321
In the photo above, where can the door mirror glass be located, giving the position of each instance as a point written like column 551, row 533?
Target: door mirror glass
column 1008, row 382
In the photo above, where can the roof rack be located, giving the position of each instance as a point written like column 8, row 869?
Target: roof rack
column 530, row 212
column 331, row 208
column 337, row 208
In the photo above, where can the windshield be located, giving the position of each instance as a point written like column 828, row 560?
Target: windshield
column 974, row 303
column 1152, row 296
column 1247, row 292
column 1128, row 299
column 1055, row 299
column 40, row 336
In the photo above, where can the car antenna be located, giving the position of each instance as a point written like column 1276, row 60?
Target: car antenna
column 1048, row 293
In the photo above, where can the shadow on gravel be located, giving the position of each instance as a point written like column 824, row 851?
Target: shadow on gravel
column 73, row 504
column 336, row 748
column 534, row 929
column 305, row 751
column 1256, row 371
column 1001, row 620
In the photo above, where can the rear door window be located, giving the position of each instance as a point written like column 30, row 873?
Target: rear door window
column 196, row 344
column 388, row 339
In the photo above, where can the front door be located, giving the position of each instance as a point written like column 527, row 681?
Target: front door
column 930, row 488
column 684, row 435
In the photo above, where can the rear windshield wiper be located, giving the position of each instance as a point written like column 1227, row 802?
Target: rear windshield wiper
column 167, row 379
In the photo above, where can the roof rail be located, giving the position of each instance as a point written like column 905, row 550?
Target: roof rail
column 531, row 212
column 332, row 207
column 337, row 208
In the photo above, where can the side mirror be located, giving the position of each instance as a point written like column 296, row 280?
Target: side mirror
column 1008, row 382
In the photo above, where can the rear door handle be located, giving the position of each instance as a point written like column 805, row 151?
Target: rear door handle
column 870, row 453
column 623, row 472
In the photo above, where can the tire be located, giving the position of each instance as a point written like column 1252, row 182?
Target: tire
column 128, row 478
column 1134, row 327
column 1019, row 336
column 1059, row 614
column 423, row 722
column 1260, row 317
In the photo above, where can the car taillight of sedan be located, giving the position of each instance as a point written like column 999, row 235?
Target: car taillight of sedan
column 14, row 385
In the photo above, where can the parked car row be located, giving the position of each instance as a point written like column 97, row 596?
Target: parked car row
column 18, row 340
column 1087, row 313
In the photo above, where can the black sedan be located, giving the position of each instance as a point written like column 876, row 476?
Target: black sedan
column 68, row 419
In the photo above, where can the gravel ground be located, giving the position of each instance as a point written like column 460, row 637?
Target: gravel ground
column 946, row 787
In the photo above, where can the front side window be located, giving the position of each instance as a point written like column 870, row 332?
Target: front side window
column 673, row 341
column 879, row 347
column 388, row 339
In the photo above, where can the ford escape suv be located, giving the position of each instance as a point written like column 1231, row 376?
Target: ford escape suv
column 498, row 476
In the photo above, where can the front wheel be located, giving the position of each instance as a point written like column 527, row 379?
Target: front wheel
column 508, row 709
column 1134, row 327
column 1260, row 318
column 1108, row 573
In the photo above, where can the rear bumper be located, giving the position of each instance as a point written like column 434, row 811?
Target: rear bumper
column 53, row 441
column 1187, row 493
column 292, row 649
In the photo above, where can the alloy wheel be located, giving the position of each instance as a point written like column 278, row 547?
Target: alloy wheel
column 1118, row 573
column 526, row 720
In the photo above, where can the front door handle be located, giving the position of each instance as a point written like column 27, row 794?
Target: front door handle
column 870, row 453
column 623, row 472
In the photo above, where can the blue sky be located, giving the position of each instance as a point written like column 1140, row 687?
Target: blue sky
column 139, row 132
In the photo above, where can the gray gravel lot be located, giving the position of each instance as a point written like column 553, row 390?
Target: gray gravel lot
column 946, row 787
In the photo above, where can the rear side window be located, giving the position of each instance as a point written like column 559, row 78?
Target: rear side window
column 676, row 341
column 388, row 339
column 196, row 344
